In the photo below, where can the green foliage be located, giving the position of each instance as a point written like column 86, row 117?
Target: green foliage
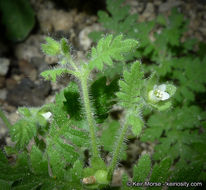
column 26, row 128
column 180, row 140
column 51, row 140
column 52, row 47
column 65, row 47
column 64, row 159
column 39, row 162
column 30, row 175
column 103, row 95
column 145, row 175
column 108, row 49
column 52, row 74
column 179, row 133
column 22, row 132
column 18, row 18
column 142, row 169
column 129, row 96
column 72, row 103
column 109, row 135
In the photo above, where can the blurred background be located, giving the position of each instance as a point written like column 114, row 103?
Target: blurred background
column 25, row 23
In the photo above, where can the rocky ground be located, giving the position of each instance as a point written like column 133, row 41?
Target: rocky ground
column 21, row 63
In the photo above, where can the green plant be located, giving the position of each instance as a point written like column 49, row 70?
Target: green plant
column 51, row 140
column 18, row 18
column 180, row 132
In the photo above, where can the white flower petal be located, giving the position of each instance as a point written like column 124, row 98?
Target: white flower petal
column 165, row 96
column 152, row 96
column 162, row 87
column 47, row 115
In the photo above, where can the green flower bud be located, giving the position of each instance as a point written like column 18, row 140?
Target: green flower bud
column 51, row 48
column 101, row 177
column 65, row 48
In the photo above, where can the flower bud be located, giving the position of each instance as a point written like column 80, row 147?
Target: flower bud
column 101, row 177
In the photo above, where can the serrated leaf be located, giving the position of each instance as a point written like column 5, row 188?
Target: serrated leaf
column 129, row 94
column 136, row 122
column 38, row 161
column 77, row 172
column 22, row 132
column 183, row 171
column 24, row 111
column 65, row 47
column 171, row 89
column 52, row 74
column 125, row 179
column 52, row 47
column 160, row 172
column 142, row 169
column 78, row 137
column 109, row 49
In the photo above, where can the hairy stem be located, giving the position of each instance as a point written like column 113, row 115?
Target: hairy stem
column 89, row 116
column 5, row 120
column 73, row 65
column 117, row 151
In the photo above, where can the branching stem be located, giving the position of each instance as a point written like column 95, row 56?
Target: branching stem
column 72, row 64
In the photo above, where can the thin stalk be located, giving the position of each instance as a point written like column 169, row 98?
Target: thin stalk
column 5, row 120
column 72, row 63
column 89, row 116
column 117, row 151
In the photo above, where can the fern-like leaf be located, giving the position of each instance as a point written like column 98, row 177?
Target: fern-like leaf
column 129, row 96
column 109, row 49
column 27, row 127
column 22, row 132
column 142, row 169
column 52, row 74
column 65, row 140
column 39, row 162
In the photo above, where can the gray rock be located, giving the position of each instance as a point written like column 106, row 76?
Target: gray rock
column 40, row 64
column 27, row 93
column 30, row 48
column 57, row 20
column 4, row 66
column 3, row 93
column 84, row 40
column 164, row 7
column 149, row 10
column 3, row 129
column 2, row 81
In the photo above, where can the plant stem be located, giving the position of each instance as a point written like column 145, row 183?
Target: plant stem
column 117, row 151
column 5, row 120
column 69, row 59
column 89, row 116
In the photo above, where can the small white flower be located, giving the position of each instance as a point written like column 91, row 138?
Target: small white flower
column 47, row 115
column 158, row 93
